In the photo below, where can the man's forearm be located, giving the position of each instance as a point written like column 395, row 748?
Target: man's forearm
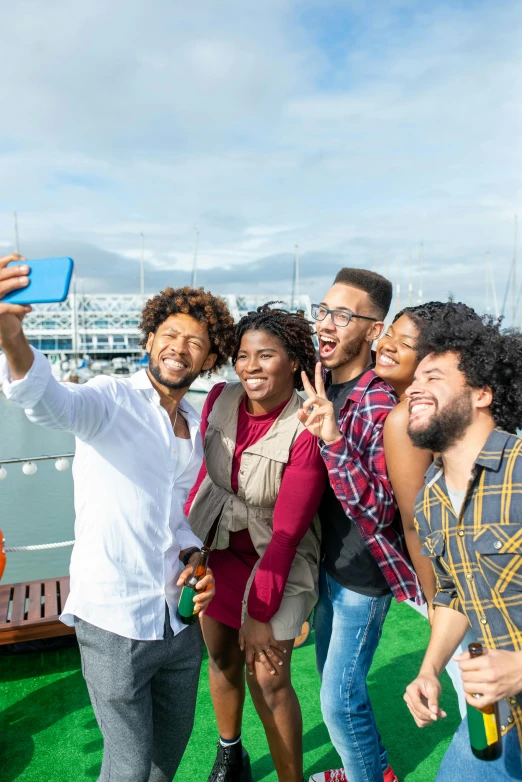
column 19, row 356
column 448, row 629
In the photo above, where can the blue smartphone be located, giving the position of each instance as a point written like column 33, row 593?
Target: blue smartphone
column 49, row 280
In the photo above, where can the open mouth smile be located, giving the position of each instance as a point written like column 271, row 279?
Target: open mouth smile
column 174, row 364
column 418, row 409
column 327, row 346
column 253, row 383
column 387, row 361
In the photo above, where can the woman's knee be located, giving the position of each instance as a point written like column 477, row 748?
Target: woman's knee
column 222, row 645
column 224, row 659
column 273, row 689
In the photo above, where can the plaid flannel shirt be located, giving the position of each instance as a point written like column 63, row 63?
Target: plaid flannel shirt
column 477, row 556
column 357, row 472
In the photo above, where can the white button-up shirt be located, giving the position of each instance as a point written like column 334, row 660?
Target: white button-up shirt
column 132, row 477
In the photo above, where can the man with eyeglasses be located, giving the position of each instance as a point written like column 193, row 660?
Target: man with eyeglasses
column 364, row 563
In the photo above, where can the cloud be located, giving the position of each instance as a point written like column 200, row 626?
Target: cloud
column 355, row 131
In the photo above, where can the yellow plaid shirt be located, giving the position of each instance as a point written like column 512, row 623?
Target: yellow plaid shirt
column 477, row 556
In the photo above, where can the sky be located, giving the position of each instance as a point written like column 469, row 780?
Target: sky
column 369, row 134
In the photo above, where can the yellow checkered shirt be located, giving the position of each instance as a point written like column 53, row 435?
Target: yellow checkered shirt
column 477, row 556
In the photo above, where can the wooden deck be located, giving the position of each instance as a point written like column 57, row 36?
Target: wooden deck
column 31, row 610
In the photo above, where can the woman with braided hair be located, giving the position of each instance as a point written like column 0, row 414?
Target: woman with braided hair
column 255, row 502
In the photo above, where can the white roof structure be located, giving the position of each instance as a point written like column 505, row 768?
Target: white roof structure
column 109, row 323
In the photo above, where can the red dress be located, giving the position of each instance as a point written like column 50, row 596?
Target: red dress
column 302, row 486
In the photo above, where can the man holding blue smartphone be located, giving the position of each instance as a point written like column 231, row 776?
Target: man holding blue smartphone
column 138, row 453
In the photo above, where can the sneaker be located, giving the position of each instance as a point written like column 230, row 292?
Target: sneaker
column 335, row 775
column 232, row 764
column 338, row 775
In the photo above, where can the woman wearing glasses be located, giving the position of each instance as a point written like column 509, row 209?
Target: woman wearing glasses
column 256, row 499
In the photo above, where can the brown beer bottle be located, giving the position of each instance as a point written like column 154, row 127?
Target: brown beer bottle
column 186, row 605
column 484, row 724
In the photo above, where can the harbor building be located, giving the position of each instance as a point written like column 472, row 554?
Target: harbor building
column 105, row 325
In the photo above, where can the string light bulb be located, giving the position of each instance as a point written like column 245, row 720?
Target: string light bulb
column 62, row 465
column 29, row 468
column 3, row 473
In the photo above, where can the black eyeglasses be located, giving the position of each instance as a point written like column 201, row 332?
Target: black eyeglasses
column 339, row 317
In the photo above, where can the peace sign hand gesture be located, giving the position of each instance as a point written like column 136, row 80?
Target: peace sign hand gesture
column 317, row 413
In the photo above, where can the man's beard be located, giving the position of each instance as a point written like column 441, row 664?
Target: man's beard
column 446, row 427
column 350, row 351
column 183, row 382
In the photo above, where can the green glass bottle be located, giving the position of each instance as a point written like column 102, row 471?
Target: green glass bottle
column 484, row 724
column 186, row 605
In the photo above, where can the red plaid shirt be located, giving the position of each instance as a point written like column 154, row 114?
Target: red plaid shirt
column 357, row 471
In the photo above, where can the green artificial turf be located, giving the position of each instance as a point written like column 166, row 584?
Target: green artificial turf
column 48, row 731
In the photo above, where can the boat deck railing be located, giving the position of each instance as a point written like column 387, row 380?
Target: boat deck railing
column 29, row 468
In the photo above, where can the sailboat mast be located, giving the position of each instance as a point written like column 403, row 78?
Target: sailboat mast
column 142, row 264
column 493, row 288
column 294, row 303
column 195, row 263
column 486, row 276
column 398, row 284
column 17, row 242
column 421, row 272
column 514, row 284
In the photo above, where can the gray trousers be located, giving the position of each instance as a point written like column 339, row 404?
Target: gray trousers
column 144, row 697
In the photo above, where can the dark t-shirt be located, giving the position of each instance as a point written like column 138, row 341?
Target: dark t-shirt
column 345, row 555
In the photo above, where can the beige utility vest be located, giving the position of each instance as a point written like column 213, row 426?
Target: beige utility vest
column 259, row 480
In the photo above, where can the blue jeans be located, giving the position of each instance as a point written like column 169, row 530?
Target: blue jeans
column 348, row 627
column 459, row 763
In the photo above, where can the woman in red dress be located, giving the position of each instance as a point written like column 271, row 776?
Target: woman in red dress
column 255, row 500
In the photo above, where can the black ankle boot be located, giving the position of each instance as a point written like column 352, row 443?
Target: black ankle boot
column 232, row 764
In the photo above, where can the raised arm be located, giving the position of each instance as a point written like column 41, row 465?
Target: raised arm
column 356, row 464
column 406, row 468
column 12, row 338
column 84, row 411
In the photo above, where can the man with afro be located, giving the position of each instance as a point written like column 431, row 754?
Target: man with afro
column 138, row 452
column 464, row 403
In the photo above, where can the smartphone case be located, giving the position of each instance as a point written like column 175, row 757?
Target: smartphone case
column 49, row 281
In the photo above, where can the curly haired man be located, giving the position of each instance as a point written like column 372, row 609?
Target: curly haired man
column 465, row 400
column 138, row 453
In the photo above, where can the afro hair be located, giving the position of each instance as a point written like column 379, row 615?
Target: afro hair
column 202, row 306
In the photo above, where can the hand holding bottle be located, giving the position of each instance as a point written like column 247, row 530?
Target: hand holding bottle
column 496, row 674
column 483, row 721
column 198, row 585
